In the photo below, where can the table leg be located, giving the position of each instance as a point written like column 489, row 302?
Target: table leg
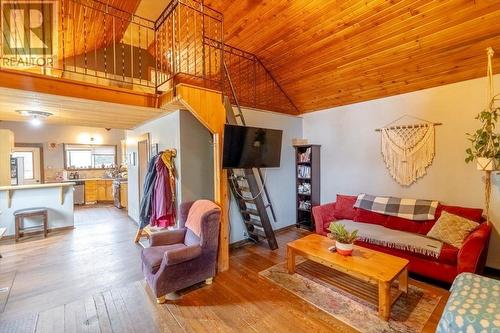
column 384, row 300
column 290, row 256
column 403, row 281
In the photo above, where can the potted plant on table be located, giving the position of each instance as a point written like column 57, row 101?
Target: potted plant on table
column 344, row 240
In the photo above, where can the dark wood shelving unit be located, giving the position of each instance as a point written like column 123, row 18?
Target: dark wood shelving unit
column 307, row 188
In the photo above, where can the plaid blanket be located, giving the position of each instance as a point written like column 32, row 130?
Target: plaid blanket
column 411, row 209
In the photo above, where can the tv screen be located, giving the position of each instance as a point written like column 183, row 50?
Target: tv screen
column 251, row 147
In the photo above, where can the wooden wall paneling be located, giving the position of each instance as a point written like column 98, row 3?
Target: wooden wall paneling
column 206, row 105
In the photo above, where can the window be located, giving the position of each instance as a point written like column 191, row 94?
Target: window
column 89, row 156
column 28, row 162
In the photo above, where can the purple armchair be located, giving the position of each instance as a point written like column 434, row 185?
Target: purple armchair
column 180, row 258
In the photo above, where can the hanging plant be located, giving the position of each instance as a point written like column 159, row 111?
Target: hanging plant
column 485, row 141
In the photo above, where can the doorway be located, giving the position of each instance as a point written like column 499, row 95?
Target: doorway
column 32, row 157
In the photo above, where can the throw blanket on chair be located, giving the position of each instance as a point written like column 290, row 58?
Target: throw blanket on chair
column 379, row 235
column 411, row 209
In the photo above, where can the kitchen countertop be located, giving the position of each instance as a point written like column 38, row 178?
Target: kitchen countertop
column 35, row 186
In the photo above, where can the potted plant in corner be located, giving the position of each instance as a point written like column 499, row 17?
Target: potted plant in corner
column 344, row 239
column 485, row 142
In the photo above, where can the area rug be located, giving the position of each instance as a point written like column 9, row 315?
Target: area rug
column 320, row 286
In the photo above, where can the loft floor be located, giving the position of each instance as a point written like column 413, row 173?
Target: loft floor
column 89, row 279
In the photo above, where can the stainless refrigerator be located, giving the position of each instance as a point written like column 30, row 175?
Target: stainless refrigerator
column 17, row 171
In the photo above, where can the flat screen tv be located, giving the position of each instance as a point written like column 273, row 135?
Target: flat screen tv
column 251, row 147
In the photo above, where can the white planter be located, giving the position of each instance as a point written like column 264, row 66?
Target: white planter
column 486, row 164
column 344, row 249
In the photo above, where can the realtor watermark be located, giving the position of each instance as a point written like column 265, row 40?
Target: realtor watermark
column 29, row 33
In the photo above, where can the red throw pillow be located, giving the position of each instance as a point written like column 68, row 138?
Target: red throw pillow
column 473, row 214
column 366, row 216
column 344, row 207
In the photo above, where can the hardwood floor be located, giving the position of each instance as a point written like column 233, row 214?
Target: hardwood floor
column 68, row 265
column 89, row 280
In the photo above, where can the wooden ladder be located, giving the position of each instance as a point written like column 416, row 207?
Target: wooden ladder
column 248, row 186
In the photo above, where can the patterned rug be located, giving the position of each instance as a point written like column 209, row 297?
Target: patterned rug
column 321, row 286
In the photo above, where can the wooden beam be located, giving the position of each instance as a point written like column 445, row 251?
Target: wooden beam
column 63, row 87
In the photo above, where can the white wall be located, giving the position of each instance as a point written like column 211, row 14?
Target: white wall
column 60, row 134
column 196, row 154
column 163, row 131
column 280, row 181
column 351, row 161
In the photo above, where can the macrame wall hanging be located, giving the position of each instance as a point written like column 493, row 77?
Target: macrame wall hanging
column 408, row 149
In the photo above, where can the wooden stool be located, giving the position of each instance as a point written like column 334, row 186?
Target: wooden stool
column 21, row 214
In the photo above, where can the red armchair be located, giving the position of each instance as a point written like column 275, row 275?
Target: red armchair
column 470, row 258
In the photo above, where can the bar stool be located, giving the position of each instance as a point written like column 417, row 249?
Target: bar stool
column 21, row 214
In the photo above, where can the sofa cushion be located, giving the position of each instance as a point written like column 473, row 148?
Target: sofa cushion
column 153, row 256
column 452, row 229
column 366, row 216
column 473, row 214
column 448, row 254
column 399, row 223
column 344, row 207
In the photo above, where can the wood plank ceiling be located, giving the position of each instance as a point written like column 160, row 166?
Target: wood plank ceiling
column 331, row 53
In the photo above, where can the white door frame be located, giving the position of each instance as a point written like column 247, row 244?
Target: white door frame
column 38, row 165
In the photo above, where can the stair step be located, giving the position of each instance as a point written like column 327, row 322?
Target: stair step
column 250, row 211
column 253, row 222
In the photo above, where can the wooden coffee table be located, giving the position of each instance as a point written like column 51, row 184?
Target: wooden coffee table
column 367, row 265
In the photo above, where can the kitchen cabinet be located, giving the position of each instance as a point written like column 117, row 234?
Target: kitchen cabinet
column 109, row 190
column 124, row 195
column 98, row 190
column 6, row 146
column 90, row 191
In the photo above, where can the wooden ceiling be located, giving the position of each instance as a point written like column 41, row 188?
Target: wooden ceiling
column 331, row 53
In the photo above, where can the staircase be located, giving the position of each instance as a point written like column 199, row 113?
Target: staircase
column 248, row 186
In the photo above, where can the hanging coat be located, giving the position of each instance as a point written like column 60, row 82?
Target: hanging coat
column 163, row 207
column 149, row 182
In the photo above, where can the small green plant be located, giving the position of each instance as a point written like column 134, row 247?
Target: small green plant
column 341, row 235
column 485, row 142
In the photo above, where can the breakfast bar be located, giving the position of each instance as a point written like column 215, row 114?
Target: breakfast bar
column 57, row 198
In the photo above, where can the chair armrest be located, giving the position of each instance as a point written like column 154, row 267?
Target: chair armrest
column 322, row 214
column 472, row 255
column 181, row 255
column 167, row 237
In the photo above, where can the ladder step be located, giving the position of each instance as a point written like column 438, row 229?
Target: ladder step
column 244, row 189
column 238, row 115
column 257, row 233
column 250, row 212
column 253, row 222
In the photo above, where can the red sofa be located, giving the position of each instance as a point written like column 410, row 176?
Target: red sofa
column 451, row 262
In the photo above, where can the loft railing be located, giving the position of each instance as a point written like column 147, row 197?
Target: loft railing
column 188, row 45
column 254, row 85
column 92, row 41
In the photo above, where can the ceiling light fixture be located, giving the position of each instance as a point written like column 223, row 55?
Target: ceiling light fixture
column 36, row 116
